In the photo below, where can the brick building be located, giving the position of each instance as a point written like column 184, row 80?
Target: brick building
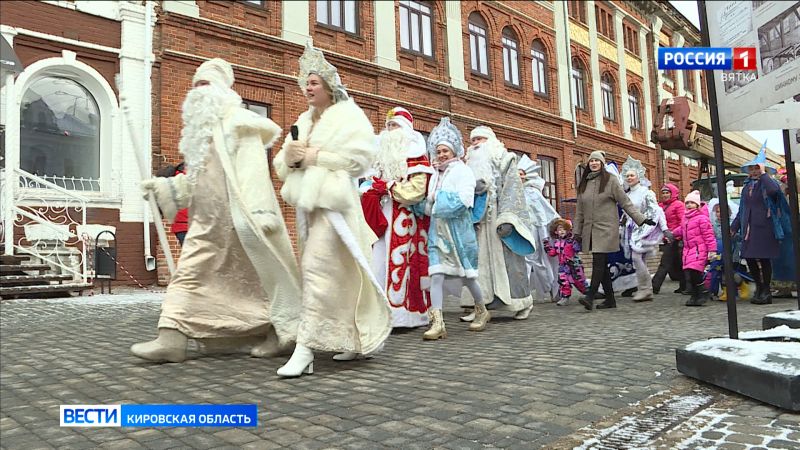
column 64, row 137
column 555, row 80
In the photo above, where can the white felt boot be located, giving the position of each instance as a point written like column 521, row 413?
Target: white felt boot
column 170, row 346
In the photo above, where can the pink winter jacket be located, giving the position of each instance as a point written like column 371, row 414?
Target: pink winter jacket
column 698, row 238
column 673, row 208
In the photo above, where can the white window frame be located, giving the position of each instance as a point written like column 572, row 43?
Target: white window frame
column 607, row 93
column 511, row 61
column 478, row 49
column 539, row 69
column 111, row 125
column 633, row 104
column 345, row 19
column 578, row 87
column 416, row 24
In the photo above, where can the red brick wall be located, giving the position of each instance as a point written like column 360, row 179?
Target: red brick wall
column 44, row 18
column 524, row 122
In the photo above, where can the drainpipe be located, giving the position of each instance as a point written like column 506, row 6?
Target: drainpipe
column 569, row 68
column 11, row 163
column 149, row 259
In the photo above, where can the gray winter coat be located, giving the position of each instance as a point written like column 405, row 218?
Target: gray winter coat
column 597, row 219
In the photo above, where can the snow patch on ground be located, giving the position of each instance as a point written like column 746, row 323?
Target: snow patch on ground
column 786, row 315
column 711, row 421
column 778, row 357
column 781, row 331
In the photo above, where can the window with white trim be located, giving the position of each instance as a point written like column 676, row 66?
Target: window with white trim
column 548, row 173
column 578, row 84
column 339, row 14
column 539, row 67
column 478, row 48
column 607, row 92
column 60, row 133
column 510, row 57
column 635, row 111
column 416, row 27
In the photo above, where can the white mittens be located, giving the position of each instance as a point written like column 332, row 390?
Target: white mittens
column 267, row 221
column 160, row 188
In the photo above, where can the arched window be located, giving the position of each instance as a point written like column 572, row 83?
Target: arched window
column 539, row 67
column 510, row 57
column 60, row 133
column 634, row 101
column 578, row 84
column 478, row 49
column 607, row 92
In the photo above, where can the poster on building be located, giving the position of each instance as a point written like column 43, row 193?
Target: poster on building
column 773, row 29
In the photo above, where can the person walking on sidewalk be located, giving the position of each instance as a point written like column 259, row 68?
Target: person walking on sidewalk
column 671, row 260
column 699, row 245
column 759, row 222
column 344, row 308
column 639, row 242
column 452, row 243
column 566, row 249
column 597, row 224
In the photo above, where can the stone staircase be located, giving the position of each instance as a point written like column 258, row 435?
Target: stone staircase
column 18, row 278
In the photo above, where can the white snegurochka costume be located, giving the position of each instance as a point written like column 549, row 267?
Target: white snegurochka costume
column 237, row 276
column 543, row 269
column 400, row 257
column 640, row 242
column 503, row 270
column 343, row 307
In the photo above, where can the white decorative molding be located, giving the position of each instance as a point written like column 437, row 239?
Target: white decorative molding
column 386, row 37
column 562, row 59
column 647, row 104
column 294, row 22
column 455, row 45
column 183, row 7
column 623, row 74
column 597, row 98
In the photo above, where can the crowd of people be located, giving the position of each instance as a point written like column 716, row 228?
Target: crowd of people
column 389, row 225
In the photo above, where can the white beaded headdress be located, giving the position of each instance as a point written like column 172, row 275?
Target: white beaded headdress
column 528, row 165
column 313, row 62
column 448, row 134
column 632, row 164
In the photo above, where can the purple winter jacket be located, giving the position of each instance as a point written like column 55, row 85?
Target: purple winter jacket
column 698, row 238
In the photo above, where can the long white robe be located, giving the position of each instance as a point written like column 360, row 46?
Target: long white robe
column 543, row 268
column 343, row 311
column 232, row 278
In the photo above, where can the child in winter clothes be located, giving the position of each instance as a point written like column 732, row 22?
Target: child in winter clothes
column 699, row 244
column 570, row 269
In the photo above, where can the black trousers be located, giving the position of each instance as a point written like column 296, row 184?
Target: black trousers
column 671, row 264
column 761, row 270
column 601, row 275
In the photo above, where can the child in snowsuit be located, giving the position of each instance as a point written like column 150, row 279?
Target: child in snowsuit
column 570, row 268
column 699, row 244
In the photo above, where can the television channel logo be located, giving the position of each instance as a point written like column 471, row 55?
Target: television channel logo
column 90, row 415
column 707, row 58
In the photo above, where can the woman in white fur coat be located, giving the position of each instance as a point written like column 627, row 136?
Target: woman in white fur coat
column 343, row 306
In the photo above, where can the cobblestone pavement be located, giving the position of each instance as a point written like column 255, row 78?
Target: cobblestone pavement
column 557, row 380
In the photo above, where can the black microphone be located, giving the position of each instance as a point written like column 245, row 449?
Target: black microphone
column 295, row 132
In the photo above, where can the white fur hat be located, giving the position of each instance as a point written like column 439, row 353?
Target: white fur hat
column 215, row 71
column 482, row 131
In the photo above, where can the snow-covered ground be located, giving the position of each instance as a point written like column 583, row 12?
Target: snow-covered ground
column 786, row 315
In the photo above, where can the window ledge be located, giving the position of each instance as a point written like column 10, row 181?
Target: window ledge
column 93, row 199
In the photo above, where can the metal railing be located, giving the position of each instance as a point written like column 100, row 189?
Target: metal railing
column 60, row 211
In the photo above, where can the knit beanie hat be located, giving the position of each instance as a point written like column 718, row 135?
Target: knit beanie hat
column 599, row 155
column 693, row 197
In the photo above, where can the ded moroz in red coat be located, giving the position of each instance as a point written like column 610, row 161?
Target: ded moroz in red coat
column 698, row 238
